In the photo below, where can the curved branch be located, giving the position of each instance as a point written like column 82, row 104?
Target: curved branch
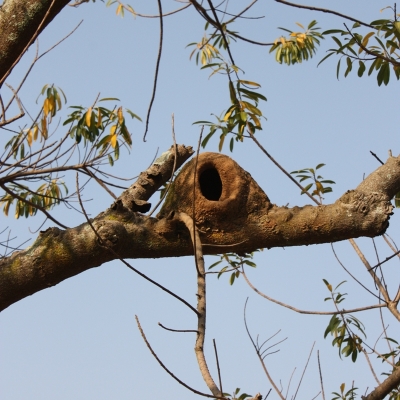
column 325, row 10
column 341, row 312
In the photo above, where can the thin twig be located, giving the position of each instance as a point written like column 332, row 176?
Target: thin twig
column 320, row 377
column 218, row 368
column 176, row 330
column 342, row 312
column 377, row 157
column 304, row 371
column 342, row 265
column 325, row 10
column 370, row 366
column 378, row 283
column 156, row 71
column 281, row 168
column 167, row 370
column 271, row 381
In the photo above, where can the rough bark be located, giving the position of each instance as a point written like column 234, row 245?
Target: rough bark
column 20, row 23
column 231, row 212
column 385, row 387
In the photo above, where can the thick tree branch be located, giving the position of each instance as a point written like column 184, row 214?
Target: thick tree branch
column 20, row 23
column 232, row 213
column 381, row 391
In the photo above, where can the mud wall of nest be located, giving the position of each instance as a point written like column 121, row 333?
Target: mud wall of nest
column 216, row 190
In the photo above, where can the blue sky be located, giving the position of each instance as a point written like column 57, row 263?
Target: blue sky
column 79, row 339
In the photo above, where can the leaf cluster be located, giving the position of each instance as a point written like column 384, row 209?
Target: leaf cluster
column 28, row 202
column 235, row 264
column 236, row 395
column 349, row 395
column 319, row 182
column 298, row 46
column 208, row 50
column 243, row 114
column 383, row 54
column 90, row 124
column 88, row 128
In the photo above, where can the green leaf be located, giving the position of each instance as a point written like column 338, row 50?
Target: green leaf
column 109, row 98
column 361, row 69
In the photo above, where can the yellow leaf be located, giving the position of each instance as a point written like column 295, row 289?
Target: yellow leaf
column 229, row 113
column 365, row 41
column 46, row 106
column 44, row 128
column 88, row 117
column 300, row 25
column 58, row 101
column 6, row 208
column 35, row 132
column 250, row 83
column 29, row 137
column 52, row 105
column 120, row 116
column 119, row 8
column 113, row 136
column 113, row 140
column 98, row 118
column 256, row 120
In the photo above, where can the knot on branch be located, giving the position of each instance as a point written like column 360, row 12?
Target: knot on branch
column 110, row 232
column 219, row 193
column 363, row 203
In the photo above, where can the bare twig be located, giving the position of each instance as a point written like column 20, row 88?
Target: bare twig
column 363, row 286
column 156, row 71
column 342, row 312
column 376, row 157
column 304, row 371
column 176, row 330
column 218, row 368
column 370, row 366
column 378, row 283
column 325, row 10
column 136, row 14
column 167, row 370
column 320, row 377
column 271, row 381
column 281, row 168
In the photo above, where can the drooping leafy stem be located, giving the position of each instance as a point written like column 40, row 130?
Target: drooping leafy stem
column 348, row 342
column 34, row 156
column 383, row 54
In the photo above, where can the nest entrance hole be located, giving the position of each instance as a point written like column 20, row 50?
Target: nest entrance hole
column 211, row 184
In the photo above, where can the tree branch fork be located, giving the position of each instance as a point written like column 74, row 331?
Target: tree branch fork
column 231, row 211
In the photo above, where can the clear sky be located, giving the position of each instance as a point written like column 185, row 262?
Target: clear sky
column 79, row 340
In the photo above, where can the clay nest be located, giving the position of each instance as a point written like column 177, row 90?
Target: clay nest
column 224, row 193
